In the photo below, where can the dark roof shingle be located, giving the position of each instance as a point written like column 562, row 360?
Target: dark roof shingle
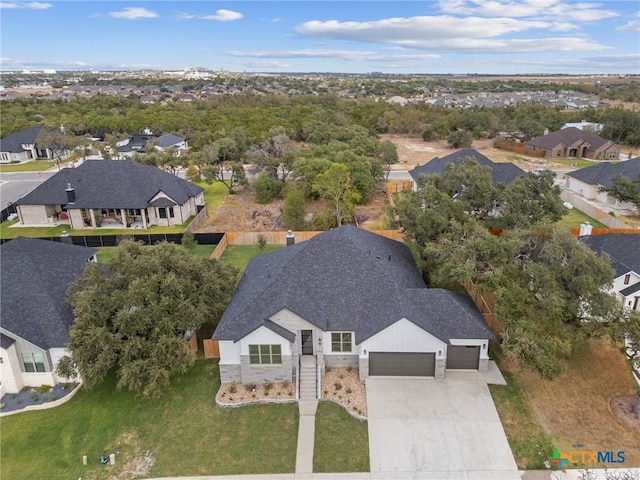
column 351, row 280
column 604, row 173
column 623, row 248
column 500, row 172
column 568, row 136
column 14, row 141
column 35, row 277
column 111, row 184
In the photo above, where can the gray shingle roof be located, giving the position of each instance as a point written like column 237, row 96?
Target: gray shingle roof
column 167, row 140
column 604, row 173
column 568, row 136
column 14, row 141
column 6, row 342
column 111, row 184
column 500, row 172
column 623, row 248
column 35, row 277
column 631, row 289
column 351, row 280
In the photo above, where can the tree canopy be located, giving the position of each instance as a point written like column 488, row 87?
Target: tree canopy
column 625, row 189
column 132, row 316
column 550, row 290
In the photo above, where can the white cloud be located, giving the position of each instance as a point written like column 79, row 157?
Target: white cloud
column 631, row 26
column 223, row 15
column 447, row 33
column 568, row 11
column 25, row 5
column 346, row 55
column 133, row 13
column 185, row 16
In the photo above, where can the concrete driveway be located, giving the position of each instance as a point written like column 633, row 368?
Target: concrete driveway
column 448, row 429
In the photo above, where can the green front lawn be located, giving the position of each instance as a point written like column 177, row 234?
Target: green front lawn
column 239, row 255
column 571, row 162
column 574, row 218
column 35, row 166
column 341, row 442
column 184, row 430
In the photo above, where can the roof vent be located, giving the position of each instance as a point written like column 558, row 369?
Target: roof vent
column 291, row 239
column 71, row 194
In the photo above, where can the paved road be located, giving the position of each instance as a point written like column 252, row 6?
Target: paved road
column 437, row 429
column 16, row 185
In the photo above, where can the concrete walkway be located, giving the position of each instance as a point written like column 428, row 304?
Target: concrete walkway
column 306, row 436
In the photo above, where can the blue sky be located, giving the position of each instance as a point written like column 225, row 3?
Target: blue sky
column 445, row 36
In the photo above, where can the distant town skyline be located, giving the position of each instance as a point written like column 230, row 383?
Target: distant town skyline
column 445, row 36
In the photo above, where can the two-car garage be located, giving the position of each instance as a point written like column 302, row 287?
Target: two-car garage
column 459, row 357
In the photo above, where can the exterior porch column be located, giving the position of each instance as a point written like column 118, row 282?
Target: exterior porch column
column 92, row 218
column 144, row 217
column 123, row 215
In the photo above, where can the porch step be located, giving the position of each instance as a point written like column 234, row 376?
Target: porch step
column 307, row 382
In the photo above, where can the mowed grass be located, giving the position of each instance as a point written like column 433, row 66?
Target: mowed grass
column 213, row 194
column 106, row 253
column 239, row 255
column 184, row 430
column 35, row 166
column 574, row 218
column 341, row 441
column 571, row 410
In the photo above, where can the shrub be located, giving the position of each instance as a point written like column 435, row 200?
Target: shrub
column 34, row 397
column 45, row 388
column 233, row 388
column 348, row 390
column 262, row 241
column 349, row 368
column 294, row 209
column 266, row 188
column 192, row 174
column 249, row 387
column 460, row 139
column 189, row 240
column 267, row 387
column 325, row 392
column 341, row 376
column 338, row 386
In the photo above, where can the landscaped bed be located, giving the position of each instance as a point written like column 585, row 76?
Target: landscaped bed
column 343, row 386
column 238, row 394
column 31, row 396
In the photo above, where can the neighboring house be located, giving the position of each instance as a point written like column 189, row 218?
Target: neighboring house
column 21, row 146
column 587, row 181
column 504, row 173
column 624, row 250
column 583, row 125
column 346, row 298
column 35, row 316
column 137, row 143
column 573, row 142
column 119, row 193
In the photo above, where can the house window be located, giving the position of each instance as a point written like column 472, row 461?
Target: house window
column 33, row 362
column 627, row 277
column 162, row 212
column 265, row 354
column 171, row 214
column 341, row 342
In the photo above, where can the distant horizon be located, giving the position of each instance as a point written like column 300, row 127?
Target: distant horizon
column 500, row 37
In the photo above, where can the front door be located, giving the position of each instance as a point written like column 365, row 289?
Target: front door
column 307, row 342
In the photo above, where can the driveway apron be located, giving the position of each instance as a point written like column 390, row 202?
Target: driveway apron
column 424, row 428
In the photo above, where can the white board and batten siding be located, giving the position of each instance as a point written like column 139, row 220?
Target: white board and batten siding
column 473, row 342
column 263, row 336
column 402, row 336
column 229, row 352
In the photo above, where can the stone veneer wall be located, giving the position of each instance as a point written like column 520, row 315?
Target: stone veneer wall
column 266, row 373
column 441, row 364
column 341, row 361
column 364, row 368
column 230, row 373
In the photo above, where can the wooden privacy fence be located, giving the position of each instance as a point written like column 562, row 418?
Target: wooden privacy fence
column 211, row 348
column 397, row 187
column 520, row 148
